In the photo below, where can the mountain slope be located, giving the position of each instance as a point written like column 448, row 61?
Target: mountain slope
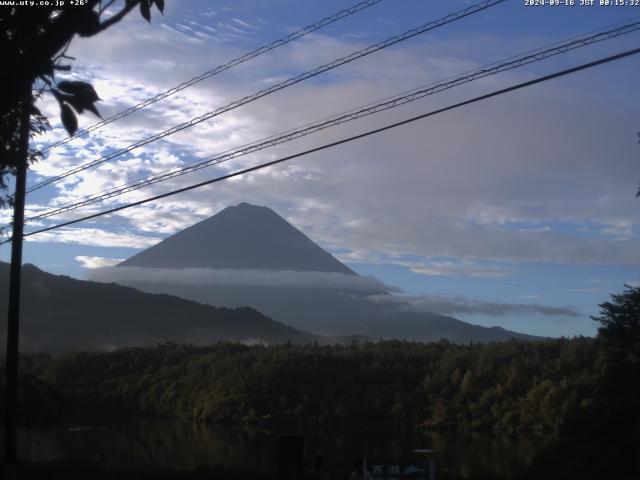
column 241, row 237
column 245, row 239
column 62, row 313
column 334, row 312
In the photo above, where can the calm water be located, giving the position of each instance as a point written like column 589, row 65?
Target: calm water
column 179, row 445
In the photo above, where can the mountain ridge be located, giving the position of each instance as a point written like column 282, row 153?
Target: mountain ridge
column 334, row 311
column 242, row 237
column 61, row 313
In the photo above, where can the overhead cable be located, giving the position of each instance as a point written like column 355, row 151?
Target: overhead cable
column 220, row 68
column 276, row 87
column 389, row 103
column 496, row 93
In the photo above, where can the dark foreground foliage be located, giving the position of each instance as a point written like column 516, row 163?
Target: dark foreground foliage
column 562, row 388
column 584, row 392
column 512, row 386
column 62, row 471
column 66, row 471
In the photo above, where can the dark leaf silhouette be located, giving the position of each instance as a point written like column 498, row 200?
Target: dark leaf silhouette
column 160, row 5
column 90, row 24
column 92, row 108
column 59, row 96
column 80, row 95
column 73, row 101
column 145, row 10
column 47, row 70
column 69, row 119
column 36, row 43
column 82, row 90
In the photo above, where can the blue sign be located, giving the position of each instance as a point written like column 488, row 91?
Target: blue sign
column 397, row 471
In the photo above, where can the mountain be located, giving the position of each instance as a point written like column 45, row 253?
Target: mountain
column 335, row 313
column 240, row 237
column 61, row 313
column 250, row 256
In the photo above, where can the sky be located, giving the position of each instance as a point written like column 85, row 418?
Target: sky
column 517, row 211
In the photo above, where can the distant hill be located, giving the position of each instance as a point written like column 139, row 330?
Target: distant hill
column 61, row 313
column 248, row 255
column 335, row 313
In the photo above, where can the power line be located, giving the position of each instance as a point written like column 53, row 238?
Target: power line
column 220, row 68
column 279, row 86
column 512, row 88
column 353, row 114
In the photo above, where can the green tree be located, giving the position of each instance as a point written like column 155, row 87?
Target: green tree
column 620, row 326
column 619, row 334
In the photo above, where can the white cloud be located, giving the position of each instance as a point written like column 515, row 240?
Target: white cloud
column 450, row 268
column 458, row 305
column 95, row 237
column 444, row 187
column 239, row 278
column 244, row 24
column 620, row 230
column 97, row 262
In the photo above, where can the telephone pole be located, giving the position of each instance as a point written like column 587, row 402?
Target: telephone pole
column 15, row 279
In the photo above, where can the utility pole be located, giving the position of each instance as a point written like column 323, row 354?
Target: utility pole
column 15, row 274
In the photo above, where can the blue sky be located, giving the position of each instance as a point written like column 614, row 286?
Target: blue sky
column 526, row 199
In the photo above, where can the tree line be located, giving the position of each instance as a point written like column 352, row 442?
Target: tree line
column 510, row 386
column 584, row 391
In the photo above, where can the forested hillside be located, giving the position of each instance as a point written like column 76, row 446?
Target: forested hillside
column 508, row 386
column 60, row 313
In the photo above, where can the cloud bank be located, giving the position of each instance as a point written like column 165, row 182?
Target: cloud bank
column 459, row 305
column 97, row 262
column 96, row 237
column 238, row 278
column 386, row 296
column 452, row 190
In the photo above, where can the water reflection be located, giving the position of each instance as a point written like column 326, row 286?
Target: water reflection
column 176, row 445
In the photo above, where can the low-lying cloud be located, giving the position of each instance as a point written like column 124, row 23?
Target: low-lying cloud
column 461, row 305
column 239, row 278
column 386, row 296
column 97, row 262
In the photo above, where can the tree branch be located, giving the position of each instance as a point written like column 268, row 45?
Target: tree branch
column 103, row 8
column 130, row 5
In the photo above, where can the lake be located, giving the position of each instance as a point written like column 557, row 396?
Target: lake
column 182, row 445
